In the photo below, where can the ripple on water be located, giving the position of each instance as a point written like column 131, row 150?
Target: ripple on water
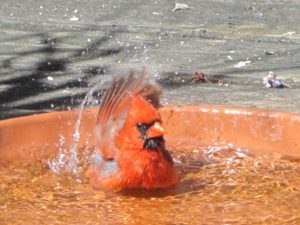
column 218, row 185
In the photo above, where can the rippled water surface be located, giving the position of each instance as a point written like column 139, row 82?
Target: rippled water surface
column 219, row 186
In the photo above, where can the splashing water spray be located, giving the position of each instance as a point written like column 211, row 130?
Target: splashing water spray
column 67, row 159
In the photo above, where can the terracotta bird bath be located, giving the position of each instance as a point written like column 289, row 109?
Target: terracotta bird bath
column 247, row 185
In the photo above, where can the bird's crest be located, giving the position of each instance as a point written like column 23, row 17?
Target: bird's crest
column 115, row 104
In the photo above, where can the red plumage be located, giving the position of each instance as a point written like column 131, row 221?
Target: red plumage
column 130, row 149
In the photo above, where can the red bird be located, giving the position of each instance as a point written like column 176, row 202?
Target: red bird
column 130, row 148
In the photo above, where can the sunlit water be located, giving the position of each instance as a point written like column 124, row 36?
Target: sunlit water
column 217, row 186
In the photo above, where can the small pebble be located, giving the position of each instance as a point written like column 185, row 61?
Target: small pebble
column 241, row 64
column 74, row 18
column 180, row 6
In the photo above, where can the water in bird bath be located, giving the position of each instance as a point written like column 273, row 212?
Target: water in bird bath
column 217, row 186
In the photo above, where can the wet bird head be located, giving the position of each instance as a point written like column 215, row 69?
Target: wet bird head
column 143, row 125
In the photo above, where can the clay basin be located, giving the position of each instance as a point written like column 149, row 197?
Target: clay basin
column 32, row 138
column 223, row 156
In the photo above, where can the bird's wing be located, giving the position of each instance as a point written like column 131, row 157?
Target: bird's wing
column 115, row 104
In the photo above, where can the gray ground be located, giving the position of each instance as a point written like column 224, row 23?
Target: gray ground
column 52, row 52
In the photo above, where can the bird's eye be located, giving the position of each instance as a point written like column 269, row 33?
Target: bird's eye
column 142, row 127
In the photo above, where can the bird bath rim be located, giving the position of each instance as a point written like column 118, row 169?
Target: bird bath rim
column 188, row 127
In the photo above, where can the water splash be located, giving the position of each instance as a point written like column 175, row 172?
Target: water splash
column 226, row 155
column 67, row 159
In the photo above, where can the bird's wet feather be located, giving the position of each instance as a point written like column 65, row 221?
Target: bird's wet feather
column 130, row 147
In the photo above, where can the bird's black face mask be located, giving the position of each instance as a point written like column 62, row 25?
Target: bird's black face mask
column 151, row 144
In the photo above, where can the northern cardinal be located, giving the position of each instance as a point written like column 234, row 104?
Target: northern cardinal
column 130, row 146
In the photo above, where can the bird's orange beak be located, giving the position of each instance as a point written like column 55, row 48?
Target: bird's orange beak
column 155, row 131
